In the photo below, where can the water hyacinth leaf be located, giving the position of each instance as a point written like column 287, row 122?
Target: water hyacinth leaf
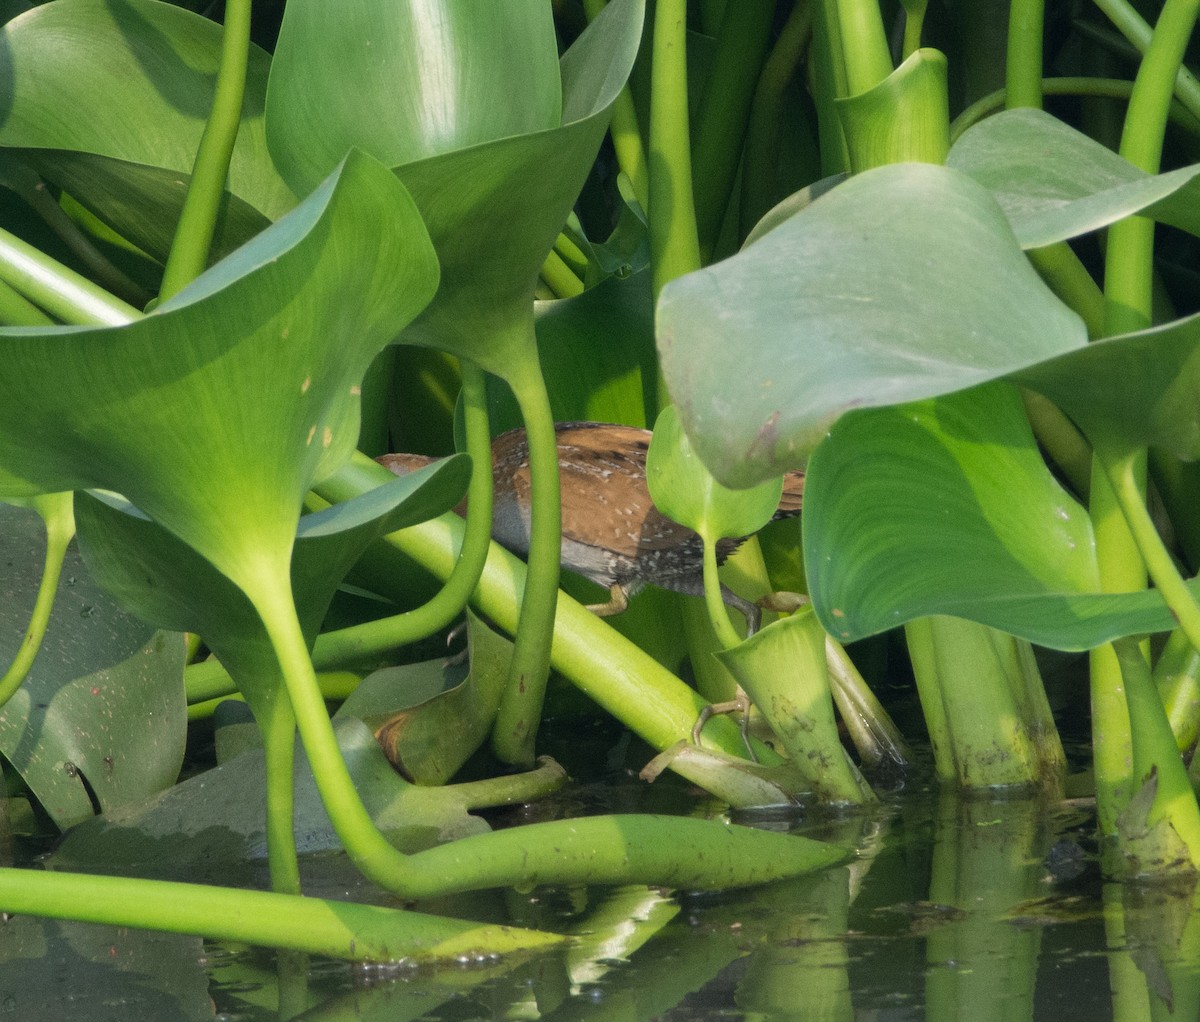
column 946, row 507
column 100, row 675
column 493, row 199
column 1055, row 183
column 684, row 490
column 215, row 414
column 829, row 312
column 902, row 118
column 596, row 351
column 123, row 144
column 210, row 828
column 1135, row 390
column 164, row 581
column 408, row 81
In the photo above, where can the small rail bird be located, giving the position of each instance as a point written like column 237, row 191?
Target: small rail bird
column 612, row 533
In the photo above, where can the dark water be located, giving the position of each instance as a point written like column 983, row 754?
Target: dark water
column 977, row 909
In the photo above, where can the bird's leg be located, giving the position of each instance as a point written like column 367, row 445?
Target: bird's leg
column 783, row 602
column 618, row 602
column 740, row 703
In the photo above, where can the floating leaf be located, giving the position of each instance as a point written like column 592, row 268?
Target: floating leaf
column 211, row 827
column 100, row 676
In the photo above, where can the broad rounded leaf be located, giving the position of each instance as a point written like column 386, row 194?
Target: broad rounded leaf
column 109, row 101
column 1055, row 183
column 493, row 200
column 946, row 507
column 165, row 582
column 406, row 81
column 1136, row 390
column 684, row 490
column 215, row 414
column 832, row 311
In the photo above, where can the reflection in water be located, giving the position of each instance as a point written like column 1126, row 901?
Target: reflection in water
column 953, row 908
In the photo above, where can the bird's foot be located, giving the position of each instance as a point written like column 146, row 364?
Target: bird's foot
column 739, row 704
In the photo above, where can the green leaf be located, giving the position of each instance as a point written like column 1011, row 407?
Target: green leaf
column 831, row 311
column 1055, row 183
column 211, row 827
column 164, row 581
column 407, row 81
column 100, row 678
column 597, row 356
column 215, row 414
column 684, row 490
column 946, row 507
column 431, row 717
column 109, row 101
column 903, row 118
column 1135, row 390
column 493, row 200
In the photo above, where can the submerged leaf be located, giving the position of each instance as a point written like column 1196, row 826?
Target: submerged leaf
column 100, row 678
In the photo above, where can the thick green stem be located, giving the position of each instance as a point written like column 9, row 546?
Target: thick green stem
column 767, row 119
column 515, row 732
column 1155, row 756
column 1023, row 75
column 865, row 52
column 1129, row 273
column 1088, row 88
column 560, row 278
column 277, row 723
column 1121, row 570
column 1177, row 678
column 718, row 613
column 674, row 244
column 16, row 310
column 337, row 929
column 366, row 846
column 350, row 645
column 987, row 717
column 188, row 257
column 1126, row 476
column 1134, row 28
column 63, row 293
column 914, row 22
column 1128, row 294
column 80, row 244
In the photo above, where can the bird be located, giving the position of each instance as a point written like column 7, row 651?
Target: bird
column 612, row 533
